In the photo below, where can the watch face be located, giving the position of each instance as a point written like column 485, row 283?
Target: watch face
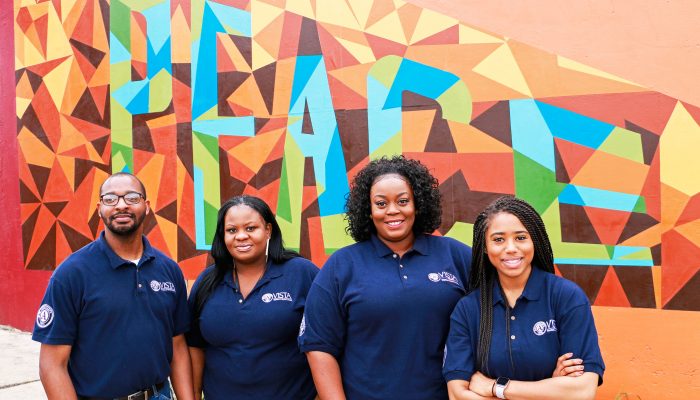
column 501, row 381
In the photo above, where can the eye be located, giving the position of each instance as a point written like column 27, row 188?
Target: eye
column 403, row 202
column 380, row 203
column 250, row 228
column 498, row 239
column 521, row 237
column 231, row 230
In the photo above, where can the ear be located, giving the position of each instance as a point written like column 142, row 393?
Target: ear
column 148, row 207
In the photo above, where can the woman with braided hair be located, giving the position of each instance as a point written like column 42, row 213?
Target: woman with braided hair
column 521, row 332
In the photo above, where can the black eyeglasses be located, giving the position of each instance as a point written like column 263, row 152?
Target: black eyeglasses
column 111, row 200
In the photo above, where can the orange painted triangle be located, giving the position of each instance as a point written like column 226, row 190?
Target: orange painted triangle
column 63, row 249
column 44, row 68
column 344, row 98
column 86, row 20
column 44, row 222
column 608, row 224
column 309, row 195
column 256, row 150
column 409, row 15
column 86, row 67
column 269, row 37
column 57, row 186
column 224, row 63
column 380, row 9
column 336, row 56
column 416, row 129
column 99, row 96
column 383, row 47
column 354, row 77
column 651, row 191
column 611, row 292
column 574, row 156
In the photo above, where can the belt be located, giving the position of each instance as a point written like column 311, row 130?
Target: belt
column 140, row 395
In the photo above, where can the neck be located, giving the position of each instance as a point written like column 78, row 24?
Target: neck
column 513, row 287
column 127, row 247
column 251, row 268
column 401, row 247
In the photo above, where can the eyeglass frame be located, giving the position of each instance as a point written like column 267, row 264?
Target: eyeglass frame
column 123, row 197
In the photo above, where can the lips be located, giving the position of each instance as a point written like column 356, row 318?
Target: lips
column 512, row 262
column 244, row 247
column 121, row 218
column 393, row 224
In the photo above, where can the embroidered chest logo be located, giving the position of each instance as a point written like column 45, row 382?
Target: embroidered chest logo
column 541, row 327
column 162, row 286
column 279, row 296
column 45, row 316
column 443, row 276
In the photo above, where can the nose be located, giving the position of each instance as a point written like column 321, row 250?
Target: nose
column 391, row 208
column 121, row 203
column 241, row 235
column 510, row 245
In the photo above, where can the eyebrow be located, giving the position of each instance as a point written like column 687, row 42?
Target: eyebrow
column 503, row 233
column 383, row 195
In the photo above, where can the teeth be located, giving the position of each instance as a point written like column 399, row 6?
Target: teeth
column 394, row 223
column 512, row 262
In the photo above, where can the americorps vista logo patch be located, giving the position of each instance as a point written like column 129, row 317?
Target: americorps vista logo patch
column 44, row 317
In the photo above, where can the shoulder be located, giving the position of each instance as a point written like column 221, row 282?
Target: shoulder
column 565, row 292
column 468, row 306
column 450, row 243
column 300, row 265
column 208, row 270
column 77, row 263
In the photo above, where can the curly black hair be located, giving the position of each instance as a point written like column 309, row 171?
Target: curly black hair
column 425, row 193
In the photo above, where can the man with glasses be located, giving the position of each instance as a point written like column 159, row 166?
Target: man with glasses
column 112, row 320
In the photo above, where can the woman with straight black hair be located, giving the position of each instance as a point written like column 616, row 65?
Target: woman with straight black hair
column 522, row 332
column 246, row 310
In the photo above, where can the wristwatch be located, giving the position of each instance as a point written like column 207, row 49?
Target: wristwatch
column 500, row 387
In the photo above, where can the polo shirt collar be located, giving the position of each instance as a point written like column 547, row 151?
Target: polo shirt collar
column 115, row 261
column 273, row 271
column 421, row 245
column 533, row 287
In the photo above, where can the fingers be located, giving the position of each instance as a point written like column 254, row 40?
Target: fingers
column 568, row 366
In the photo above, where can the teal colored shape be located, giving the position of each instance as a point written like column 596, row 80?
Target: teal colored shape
column 382, row 124
column 570, row 196
column 117, row 52
column 418, row 78
column 574, row 127
column 231, row 17
column 303, row 73
column 233, row 126
column 530, row 133
column 605, row 262
column 157, row 25
column 621, row 251
column 139, row 103
column 126, row 94
column 535, row 183
column 601, row 198
column 199, row 215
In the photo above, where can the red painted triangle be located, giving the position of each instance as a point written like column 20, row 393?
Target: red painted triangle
column 345, row 98
column 83, row 32
column 42, row 28
column 291, row 29
column 383, row 47
column 691, row 212
column 44, row 68
column 448, row 36
column 679, row 263
column 611, row 292
column 574, row 156
column 334, row 54
column 480, row 107
column 99, row 96
column 608, row 224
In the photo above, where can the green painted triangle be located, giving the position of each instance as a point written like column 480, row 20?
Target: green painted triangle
column 391, row 147
column 210, row 214
column 456, row 103
column 534, row 183
column 624, row 143
column 385, row 70
column 284, row 209
column 640, row 206
column 211, row 144
column 122, row 158
column 611, row 250
column 160, row 91
column 463, row 232
column 120, row 23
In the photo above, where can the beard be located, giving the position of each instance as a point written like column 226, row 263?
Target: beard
column 123, row 229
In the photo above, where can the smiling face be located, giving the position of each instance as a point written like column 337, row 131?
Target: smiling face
column 509, row 248
column 123, row 219
column 393, row 211
column 245, row 235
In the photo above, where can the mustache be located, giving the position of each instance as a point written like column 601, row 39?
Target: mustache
column 130, row 215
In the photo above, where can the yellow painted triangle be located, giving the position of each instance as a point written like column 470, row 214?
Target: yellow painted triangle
column 399, row 3
column 34, row 151
column 469, row 139
column 337, row 13
column 262, row 15
column 67, row 164
column 31, row 55
column 500, row 66
column 179, row 36
column 679, row 143
column 362, row 53
column 415, row 129
column 389, row 28
column 301, row 7
column 57, row 80
column 469, row 35
column 430, row 23
column 169, row 231
column 254, row 152
column 21, row 105
column 57, row 45
column 361, row 10
column 354, row 77
column 585, row 69
column 261, row 57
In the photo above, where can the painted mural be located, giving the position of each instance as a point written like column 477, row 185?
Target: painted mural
column 287, row 99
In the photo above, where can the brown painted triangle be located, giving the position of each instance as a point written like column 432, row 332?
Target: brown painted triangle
column 309, row 42
column 138, row 74
column 149, row 223
column 230, row 185
column 650, row 141
column 309, row 174
column 587, row 277
column 260, row 123
column 45, row 256
column 638, row 285
column 92, row 54
column 169, row 212
column 495, row 122
column 182, row 72
column 268, row 173
column 245, row 46
column 656, row 254
column 186, row 247
column 311, row 211
column 228, row 82
column 25, row 195
column 87, row 110
column 35, row 80
column 562, row 175
column 688, row 297
column 307, row 126
column 184, row 147
column 40, row 176
column 352, row 127
column 440, row 137
column 94, row 223
column 141, row 139
column 100, row 144
column 637, row 223
column 30, row 120
column 56, row 207
column 459, row 203
column 75, row 239
column 265, row 79
column 575, row 225
column 28, row 231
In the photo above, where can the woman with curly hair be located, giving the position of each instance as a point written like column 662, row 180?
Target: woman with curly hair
column 377, row 314
column 522, row 332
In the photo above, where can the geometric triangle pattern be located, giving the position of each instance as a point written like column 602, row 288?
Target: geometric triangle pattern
column 287, row 100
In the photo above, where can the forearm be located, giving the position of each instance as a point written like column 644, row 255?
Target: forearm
column 459, row 390
column 563, row 387
column 181, row 369
column 197, row 356
column 53, row 372
column 326, row 373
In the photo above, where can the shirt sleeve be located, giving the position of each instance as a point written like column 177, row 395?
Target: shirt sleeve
column 459, row 350
column 181, row 317
column 324, row 323
column 194, row 334
column 578, row 335
column 58, row 316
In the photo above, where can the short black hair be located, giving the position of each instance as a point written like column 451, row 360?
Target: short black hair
column 117, row 174
column 426, row 195
column 483, row 273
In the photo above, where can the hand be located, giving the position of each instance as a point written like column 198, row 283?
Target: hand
column 481, row 384
column 568, row 366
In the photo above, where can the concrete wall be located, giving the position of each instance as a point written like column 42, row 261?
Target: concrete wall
column 587, row 110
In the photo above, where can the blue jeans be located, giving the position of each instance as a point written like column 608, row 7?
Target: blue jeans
column 163, row 394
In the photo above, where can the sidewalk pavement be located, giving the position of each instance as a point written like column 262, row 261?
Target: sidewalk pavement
column 19, row 366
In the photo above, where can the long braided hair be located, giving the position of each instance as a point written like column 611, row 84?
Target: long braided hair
column 483, row 273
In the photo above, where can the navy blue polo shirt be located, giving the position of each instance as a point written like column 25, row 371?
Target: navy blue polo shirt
column 250, row 344
column 550, row 318
column 118, row 317
column 385, row 318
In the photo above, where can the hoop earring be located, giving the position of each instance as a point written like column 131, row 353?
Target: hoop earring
column 267, row 248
